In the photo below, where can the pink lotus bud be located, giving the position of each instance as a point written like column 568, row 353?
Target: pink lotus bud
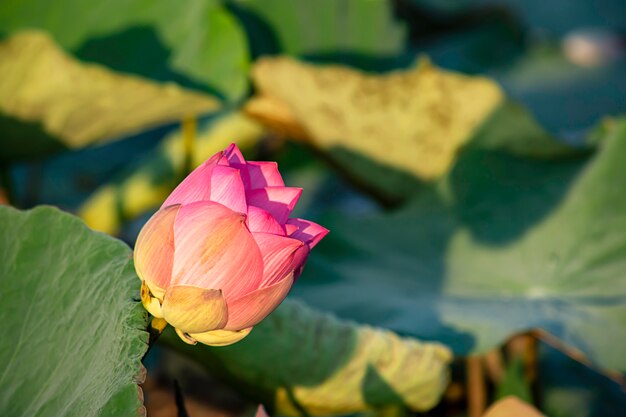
column 222, row 252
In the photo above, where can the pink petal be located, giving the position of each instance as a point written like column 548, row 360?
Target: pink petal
column 290, row 228
column 233, row 155
column 307, row 231
column 227, row 188
column 278, row 201
column 279, row 256
column 214, row 249
column 300, row 259
column 260, row 412
column 260, row 220
column 154, row 250
column 250, row 309
column 264, row 174
column 233, row 158
column 197, row 185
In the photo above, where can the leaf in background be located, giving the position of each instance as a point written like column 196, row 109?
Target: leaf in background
column 294, row 27
column 565, row 97
column 570, row 389
column 146, row 185
column 80, row 104
column 506, row 244
column 197, row 44
column 553, row 22
column 74, row 335
column 390, row 132
column 303, row 360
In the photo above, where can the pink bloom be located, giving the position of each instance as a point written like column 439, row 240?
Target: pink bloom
column 222, row 252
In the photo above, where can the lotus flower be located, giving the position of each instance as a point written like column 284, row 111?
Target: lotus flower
column 222, row 253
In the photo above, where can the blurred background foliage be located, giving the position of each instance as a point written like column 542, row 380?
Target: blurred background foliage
column 469, row 157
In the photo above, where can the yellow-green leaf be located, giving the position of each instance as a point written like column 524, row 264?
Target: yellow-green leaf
column 80, row 104
column 411, row 121
column 394, row 131
column 299, row 359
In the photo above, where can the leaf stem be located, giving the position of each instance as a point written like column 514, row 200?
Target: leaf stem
column 476, row 390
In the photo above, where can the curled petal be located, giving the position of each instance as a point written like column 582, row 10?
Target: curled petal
column 278, row 201
column 157, row 324
column 193, row 309
column 227, row 188
column 250, row 309
column 306, row 231
column 150, row 302
column 279, row 256
column 220, row 337
column 185, row 337
column 264, row 174
column 197, row 185
column 299, row 260
column 260, row 220
column 215, row 249
column 154, row 250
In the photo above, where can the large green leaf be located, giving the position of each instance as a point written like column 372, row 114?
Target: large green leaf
column 74, row 333
column 196, row 43
column 323, row 28
column 506, row 244
column 302, row 361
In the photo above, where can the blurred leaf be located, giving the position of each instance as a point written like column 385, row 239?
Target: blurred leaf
column 197, row 44
column 512, row 407
column 570, row 389
column 145, row 185
column 322, row 27
column 514, row 382
column 75, row 335
column 492, row 40
column 512, row 129
column 392, row 132
column 566, row 98
column 563, row 15
column 78, row 104
column 504, row 245
column 304, row 361
column 443, row 7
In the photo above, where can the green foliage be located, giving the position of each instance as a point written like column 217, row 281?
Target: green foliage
column 504, row 244
column 294, row 28
column 74, row 334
